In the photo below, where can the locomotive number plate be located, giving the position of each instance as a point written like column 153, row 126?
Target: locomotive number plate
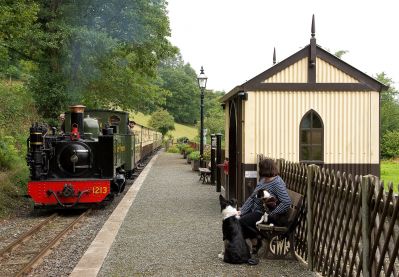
column 100, row 190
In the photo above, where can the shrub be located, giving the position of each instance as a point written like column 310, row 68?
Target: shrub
column 180, row 147
column 8, row 152
column 390, row 144
column 189, row 150
column 17, row 113
column 183, row 147
column 207, row 154
column 13, row 186
column 173, row 149
column 182, row 140
column 195, row 155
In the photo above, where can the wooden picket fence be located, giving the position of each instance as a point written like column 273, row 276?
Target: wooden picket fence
column 349, row 225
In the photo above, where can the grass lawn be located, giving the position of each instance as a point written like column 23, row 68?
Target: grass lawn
column 390, row 172
column 180, row 129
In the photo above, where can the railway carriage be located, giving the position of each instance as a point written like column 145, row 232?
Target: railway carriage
column 90, row 161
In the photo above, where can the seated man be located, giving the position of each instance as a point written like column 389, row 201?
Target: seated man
column 252, row 210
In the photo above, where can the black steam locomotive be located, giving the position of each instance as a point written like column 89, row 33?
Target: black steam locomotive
column 90, row 161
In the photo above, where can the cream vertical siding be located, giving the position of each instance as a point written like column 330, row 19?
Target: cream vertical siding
column 326, row 73
column 351, row 128
column 249, row 113
column 296, row 73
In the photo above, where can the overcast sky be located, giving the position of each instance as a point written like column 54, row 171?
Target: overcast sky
column 234, row 39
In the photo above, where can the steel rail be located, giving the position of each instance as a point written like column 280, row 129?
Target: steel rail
column 28, row 267
column 27, row 234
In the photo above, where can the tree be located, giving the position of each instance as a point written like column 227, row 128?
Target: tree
column 17, row 32
column 162, row 121
column 340, row 53
column 390, row 144
column 180, row 81
column 389, row 105
column 103, row 53
column 214, row 122
column 214, row 114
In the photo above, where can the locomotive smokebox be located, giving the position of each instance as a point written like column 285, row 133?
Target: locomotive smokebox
column 77, row 113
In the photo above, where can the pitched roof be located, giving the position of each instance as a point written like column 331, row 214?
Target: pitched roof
column 257, row 83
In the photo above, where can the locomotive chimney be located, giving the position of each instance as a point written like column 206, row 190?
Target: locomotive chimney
column 77, row 113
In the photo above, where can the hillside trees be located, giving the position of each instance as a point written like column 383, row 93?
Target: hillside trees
column 389, row 117
column 214, row 114
column 162, row 121
column 17, row 33
column 180, row 81
column 389, row 105
column 103, row 53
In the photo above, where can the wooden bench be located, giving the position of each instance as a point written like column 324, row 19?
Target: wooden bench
column 280, row 241
column 205, row 174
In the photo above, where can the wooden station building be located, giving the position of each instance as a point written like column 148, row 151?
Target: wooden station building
column 311, row 107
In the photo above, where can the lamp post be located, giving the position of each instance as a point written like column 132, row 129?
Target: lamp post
column 202, row 85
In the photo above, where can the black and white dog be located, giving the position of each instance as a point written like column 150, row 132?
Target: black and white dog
column 236, row 250
column 270, row 203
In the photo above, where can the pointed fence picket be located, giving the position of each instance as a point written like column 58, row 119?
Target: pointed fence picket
column 354, row 221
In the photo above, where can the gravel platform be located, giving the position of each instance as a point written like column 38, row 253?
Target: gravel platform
column 173, row 228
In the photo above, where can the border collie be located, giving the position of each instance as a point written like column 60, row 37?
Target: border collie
column 236, row 250
column 270, row 203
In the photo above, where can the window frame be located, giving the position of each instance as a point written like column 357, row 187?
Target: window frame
column 313, row 114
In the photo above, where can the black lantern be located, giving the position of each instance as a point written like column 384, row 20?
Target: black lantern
column 202, row 79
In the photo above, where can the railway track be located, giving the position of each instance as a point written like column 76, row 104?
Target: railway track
column 26, row 251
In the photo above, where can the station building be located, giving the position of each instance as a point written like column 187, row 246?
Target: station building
column 311, row 107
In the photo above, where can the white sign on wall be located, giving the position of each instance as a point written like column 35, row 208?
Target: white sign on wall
column 251, row 174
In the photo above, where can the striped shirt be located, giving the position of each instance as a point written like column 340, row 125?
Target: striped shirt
column 276, row 188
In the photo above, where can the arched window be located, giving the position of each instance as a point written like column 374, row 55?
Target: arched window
column 311, row 137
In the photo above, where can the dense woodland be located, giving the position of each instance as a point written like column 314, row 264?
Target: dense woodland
column 104, row 54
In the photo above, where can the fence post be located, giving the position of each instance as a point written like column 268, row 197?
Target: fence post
column 213, row 159
column 366, row 235
column 218, row 161
column 280, row 165
column 309, row 214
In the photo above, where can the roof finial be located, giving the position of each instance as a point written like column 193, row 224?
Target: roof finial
column 274, row 56
column 313, row 27
column 312, row 55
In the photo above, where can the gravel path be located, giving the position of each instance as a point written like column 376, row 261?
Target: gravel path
column 173, row 228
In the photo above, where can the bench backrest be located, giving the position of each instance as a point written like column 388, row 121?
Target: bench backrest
column 296, row 204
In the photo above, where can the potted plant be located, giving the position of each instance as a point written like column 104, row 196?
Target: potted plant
column 181, row 146
column 206, row 157
column 185, row 147
column 189, row 150
column 195, row 160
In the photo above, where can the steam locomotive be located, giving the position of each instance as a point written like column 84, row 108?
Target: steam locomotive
column 90, row 161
